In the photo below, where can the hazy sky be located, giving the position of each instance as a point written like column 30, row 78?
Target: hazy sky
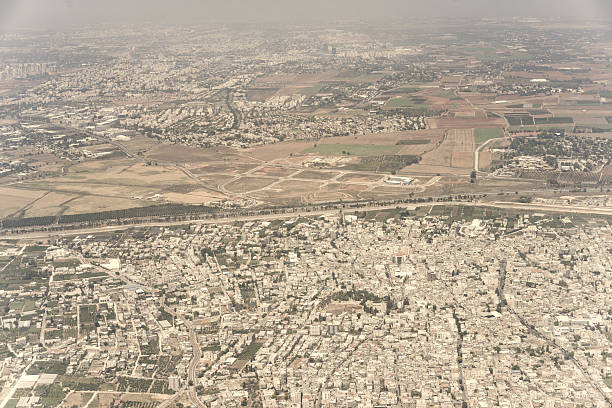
column 39, row 13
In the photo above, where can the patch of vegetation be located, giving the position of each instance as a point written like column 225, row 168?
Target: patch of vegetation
column 133, row 384
column 352, row 150
column 384, row 164
column 553, row 146
column 404, row 142
column 81, row 383
column 48, row 367
column 160, row 387
column 12, row 403
column 519, row 119
column 313, row 90
column 50, row 395
column 484, row 134
column 553, row 120
column 164, row 210
column 249, row 351
column 404, row 102
column 401, row 91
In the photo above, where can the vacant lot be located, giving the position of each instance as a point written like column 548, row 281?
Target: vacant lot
column 352, row 150
column 223, row 167
column 272, row 171
column 50, row 204
column 261, row 94
column 246, row 184
column 13, row 199
column 185, row 154
column 316, row 175
column 360, row 178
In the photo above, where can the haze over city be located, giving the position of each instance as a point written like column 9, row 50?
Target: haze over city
column 54, row 13
column 305, row 204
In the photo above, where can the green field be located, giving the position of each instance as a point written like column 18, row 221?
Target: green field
column 384, row 163
column 445, row 93
column 402, row 102
column 313, row 90
column 484, row 134
column 352, row 150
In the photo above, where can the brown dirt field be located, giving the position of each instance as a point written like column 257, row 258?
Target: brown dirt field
column 223, row 167
column 462, row 159
column 193, row 197
column 185, row 154
column 107, row 400
column 340, row 307
column 87, row 204
column 78, row 399
column 117, row 165
column 484, row 159
column 261, row 94
column 391, row 190
column 274, row 171
column 390, row 138
column 274, row 80
column 138, row 174
column 316, row 175
column 451, row 123
column 431, row 169
column 138, row 143
column 478, row 99
column 246, row 184
column 95, row 189
column 215, row 180
column 281, row 152
column 48, row 205
column 324, row 196
column 104, row 147
column 363, row 178
column 293, row 187
column 304, row 81
column 418, row 150
column 276, row 151
column 456, row 150
column 586, row 118
column 344, row 187
column 14, row 199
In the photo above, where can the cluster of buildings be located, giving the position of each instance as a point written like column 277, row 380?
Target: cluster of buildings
column 341, row 309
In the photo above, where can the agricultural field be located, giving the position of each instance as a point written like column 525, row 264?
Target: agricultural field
column 13, row 199
column 457, row 150
column 483, row 134
column 413, row 102
column 352, row 150
column 410, row 142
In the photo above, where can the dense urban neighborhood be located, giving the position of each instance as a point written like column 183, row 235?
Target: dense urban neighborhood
column 358, row 308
